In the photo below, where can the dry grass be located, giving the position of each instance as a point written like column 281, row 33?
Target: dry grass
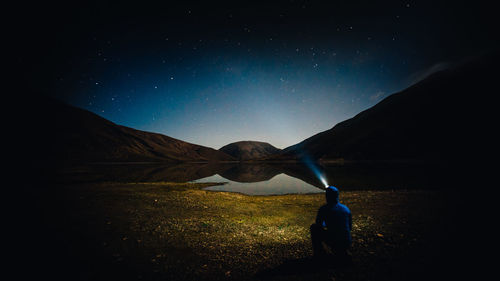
column 180, row 232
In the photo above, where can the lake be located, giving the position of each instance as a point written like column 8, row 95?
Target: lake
column 262, row 178
column 279, row 184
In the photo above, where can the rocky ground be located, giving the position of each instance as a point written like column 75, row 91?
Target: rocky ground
column 170, row 231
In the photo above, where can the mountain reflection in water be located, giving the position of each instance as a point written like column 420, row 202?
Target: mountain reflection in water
column 260, row 178
column 279, row 184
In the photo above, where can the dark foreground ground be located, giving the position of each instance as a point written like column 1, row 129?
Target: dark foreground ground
column 165, row 231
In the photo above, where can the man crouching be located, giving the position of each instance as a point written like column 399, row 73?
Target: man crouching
column 333, row 227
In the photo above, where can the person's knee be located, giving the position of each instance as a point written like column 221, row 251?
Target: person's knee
column 315, row 229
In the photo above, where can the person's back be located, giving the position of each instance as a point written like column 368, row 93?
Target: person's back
column 333, row 226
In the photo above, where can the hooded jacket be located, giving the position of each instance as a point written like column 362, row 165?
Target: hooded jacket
column 336, row 218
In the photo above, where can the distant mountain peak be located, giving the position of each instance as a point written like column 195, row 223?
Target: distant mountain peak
column 249, row 150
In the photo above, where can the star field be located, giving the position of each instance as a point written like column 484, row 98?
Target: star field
column 215, row 73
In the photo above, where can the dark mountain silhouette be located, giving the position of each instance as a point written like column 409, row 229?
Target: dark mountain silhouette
column 77, row 135
column 249, row 150
column 436, row 119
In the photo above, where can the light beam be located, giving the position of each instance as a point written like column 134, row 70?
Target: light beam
column 315, row 169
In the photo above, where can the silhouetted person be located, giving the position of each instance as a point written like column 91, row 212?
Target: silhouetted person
column 333, row 227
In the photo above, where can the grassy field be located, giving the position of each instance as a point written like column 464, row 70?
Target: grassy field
column 171, row 231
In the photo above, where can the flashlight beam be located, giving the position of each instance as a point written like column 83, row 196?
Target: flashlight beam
column 324, row 182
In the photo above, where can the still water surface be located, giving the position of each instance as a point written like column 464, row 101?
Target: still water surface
column 263, row 179
column 279, row 184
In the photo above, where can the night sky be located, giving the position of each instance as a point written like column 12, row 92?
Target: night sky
column 212, row 73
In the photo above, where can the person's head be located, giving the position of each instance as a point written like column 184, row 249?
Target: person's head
column 332, row 195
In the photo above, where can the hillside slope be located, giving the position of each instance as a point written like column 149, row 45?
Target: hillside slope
column 77, row 135
column 436, row 119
